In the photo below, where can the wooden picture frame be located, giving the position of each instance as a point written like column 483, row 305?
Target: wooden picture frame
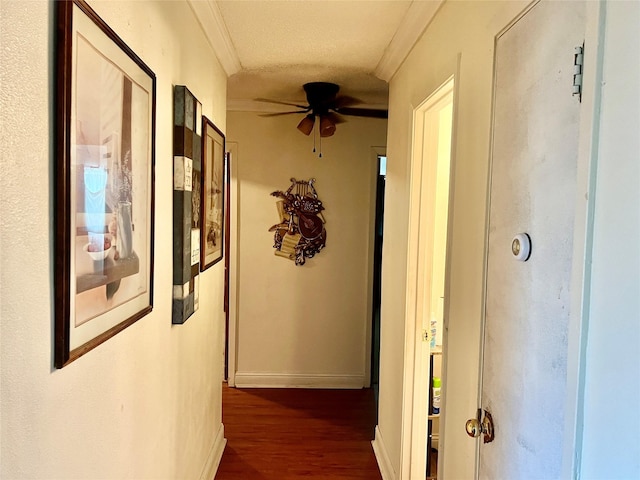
column 104, row 183
column 213, row 198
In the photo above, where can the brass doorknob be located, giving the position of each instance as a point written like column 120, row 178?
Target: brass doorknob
column 475, row 426
column 474, row 429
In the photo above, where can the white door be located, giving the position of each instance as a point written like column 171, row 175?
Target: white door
column 533, row 184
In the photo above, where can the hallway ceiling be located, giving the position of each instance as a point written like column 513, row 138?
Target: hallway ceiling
column 270, row 48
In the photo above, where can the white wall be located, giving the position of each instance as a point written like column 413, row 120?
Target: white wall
column 304, row 325
column 147, row 403
column 466, row 28
column 611, row 420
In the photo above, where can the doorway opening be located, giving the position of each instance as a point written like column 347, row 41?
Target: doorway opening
column 426, row 351
column 377, row 276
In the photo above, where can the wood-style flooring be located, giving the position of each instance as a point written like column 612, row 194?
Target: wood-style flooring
column 284, row 434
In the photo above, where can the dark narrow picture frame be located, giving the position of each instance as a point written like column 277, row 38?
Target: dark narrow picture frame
column 104, row 183
column 212, row 232
column 187, row 203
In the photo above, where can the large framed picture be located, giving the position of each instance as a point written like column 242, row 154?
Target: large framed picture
column 212, row 231
column 104, row 192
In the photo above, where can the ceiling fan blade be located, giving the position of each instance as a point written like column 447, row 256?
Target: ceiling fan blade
column 277, row 114
column 345, row 101
column 267, row 100
column 363, row 112
column 335, row 118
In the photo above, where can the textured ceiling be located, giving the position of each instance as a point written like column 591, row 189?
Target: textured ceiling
column 276, row 46
column 349, row 34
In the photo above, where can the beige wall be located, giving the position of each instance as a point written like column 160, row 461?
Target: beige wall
column 304, row 325
column 466, row 29
column 147, row 403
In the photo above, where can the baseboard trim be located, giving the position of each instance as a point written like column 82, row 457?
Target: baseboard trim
column 380, row 451
column 291, row 380
column 215, row 455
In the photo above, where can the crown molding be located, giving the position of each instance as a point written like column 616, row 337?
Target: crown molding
column 212, row 24
column 415, row 22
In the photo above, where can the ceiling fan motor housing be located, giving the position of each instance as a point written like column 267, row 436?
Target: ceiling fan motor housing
column 320, row 95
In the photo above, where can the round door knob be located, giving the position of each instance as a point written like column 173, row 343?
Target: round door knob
column 474, row 428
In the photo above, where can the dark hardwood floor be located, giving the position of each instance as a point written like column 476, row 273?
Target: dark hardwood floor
column 283, row 434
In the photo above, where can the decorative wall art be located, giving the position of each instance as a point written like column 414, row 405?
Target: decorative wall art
column 187, row 203
column 104, row 183
column 300, row 233
column 212, row 233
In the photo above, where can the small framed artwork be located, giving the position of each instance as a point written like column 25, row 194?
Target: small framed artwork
column 212, row 232
column 104, row 192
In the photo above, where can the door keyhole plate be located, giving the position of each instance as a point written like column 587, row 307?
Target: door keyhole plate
column 487, row 427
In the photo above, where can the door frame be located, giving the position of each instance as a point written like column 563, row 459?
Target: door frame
column 231, row 348
column 416, row 368
column 588, row 145
column 227, row 258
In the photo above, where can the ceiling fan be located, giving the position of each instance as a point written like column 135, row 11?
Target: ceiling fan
column 325, row 104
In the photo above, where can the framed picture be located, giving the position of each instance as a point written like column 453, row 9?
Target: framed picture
column 187, row 203
column 104, row 190
column 212, row 231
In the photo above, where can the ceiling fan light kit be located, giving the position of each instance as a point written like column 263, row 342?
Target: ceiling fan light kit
column 324, row 102
column 306, row 124
column 327, row 127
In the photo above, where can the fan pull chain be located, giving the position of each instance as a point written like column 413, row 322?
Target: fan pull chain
column 314, row 140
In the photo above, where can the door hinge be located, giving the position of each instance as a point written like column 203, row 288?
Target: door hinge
column 425, row 336
column 578, row 63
